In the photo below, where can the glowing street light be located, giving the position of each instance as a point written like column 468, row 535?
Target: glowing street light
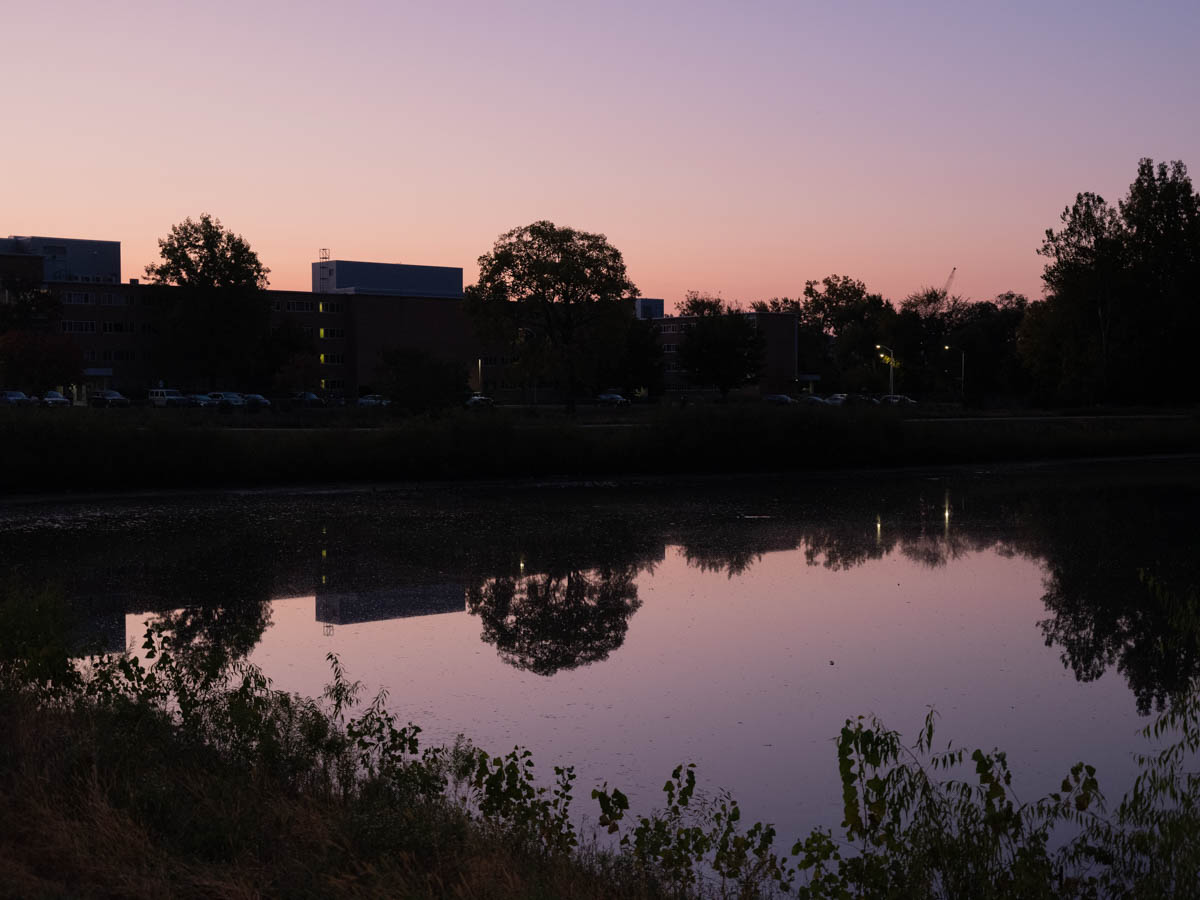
column 891, row 360
column 962, row 376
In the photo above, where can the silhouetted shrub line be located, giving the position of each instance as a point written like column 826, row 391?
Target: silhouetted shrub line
column 189, row 776
column 97, row 452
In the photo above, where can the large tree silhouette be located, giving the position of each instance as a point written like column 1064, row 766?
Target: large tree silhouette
column 550, row 622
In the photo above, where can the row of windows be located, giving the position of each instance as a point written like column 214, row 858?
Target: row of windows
column 119, row 327
column 87, row 298
column 113, row 356
column 333, row 359
column 333, row 384
column 307, row 306
column 331, row 333
column 669, row 348
column 72, row 327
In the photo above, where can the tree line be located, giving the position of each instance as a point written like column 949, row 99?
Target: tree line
column 1116, row 324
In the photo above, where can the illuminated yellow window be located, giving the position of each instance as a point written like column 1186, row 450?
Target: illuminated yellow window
column 322, row 384
column 322, row 359
column 322, row 334
column 320, row 307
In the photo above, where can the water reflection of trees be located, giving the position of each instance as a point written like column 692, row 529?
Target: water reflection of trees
column 548, row 622
column 1097, row 539
column 1099, row 557
column 209, row 571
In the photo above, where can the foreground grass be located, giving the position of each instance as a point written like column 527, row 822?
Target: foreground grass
column 139, row 449
column 191, row 778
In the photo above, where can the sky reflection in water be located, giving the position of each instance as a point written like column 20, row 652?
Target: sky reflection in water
column 625, row 630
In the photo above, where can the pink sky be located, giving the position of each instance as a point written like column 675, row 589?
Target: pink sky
column 738, row 148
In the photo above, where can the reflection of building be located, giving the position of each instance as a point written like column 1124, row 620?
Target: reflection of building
column 389, row 603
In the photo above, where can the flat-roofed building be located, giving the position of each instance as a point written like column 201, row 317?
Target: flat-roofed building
column 344, row 276
column 69, row 259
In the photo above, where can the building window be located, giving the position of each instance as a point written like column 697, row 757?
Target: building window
column 70, row 326
column 329, row 334
column 301, row 306
column 78, row 298
column 330, row 306
column 668, row 348
column 333, row 359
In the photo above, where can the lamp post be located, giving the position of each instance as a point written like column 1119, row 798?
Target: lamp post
column 891, row 358
column 962, row 374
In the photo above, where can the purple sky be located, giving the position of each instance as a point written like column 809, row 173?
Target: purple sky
column 738, row 148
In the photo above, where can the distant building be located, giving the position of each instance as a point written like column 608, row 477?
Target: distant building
column 649, row 307
column 342, row 276
column 780, row 372
column 69, row 259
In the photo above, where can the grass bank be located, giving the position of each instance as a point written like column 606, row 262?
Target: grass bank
column 140, row 449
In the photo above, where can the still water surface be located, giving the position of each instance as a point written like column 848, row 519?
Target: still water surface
column 625, row 628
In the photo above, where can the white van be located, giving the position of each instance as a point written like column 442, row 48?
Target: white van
column 166, row 397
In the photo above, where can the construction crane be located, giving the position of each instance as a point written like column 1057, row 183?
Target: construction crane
column 949, row 280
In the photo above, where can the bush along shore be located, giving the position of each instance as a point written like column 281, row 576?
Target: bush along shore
column 181, row 776
column 141, row 449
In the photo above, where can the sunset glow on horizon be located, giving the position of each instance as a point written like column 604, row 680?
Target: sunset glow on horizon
column 733, row 148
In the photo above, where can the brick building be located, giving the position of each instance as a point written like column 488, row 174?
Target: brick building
column 780, row 373
column 367, row 308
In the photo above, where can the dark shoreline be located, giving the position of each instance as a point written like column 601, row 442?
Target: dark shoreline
column 483, row 487
column 100, row 455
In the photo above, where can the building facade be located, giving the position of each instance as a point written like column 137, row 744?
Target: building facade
column 780, row 372
column 69, row 259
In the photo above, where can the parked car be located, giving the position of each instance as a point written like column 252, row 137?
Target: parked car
column 835, row 399
column 478, row 401
column 256, row 402
column 897, row 400
column 14, row 398
column 812, row 400
column 373, row 400
column 201, row 400
column 166, row 397
column 52, row 399
column 305, row 399
column 612, row 398
column 778, row 399
column 107, row 399
column 229, row 400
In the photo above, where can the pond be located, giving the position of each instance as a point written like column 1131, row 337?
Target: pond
column 624, row 628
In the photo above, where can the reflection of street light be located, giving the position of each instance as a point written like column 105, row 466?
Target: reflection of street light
column 891, row 358
column 962, row 376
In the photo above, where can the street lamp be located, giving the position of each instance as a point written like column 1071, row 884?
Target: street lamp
column 891, row 358
column 962, row 375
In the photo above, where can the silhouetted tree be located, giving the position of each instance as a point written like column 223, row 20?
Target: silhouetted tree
column 36, row 360
column 216, row 322
column 27, row 306
column 840, row 322
column 205, row 255
column 418, row 382
column 563, row 286
column 721, row 345
column 547, row 623
column 1123, row 293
